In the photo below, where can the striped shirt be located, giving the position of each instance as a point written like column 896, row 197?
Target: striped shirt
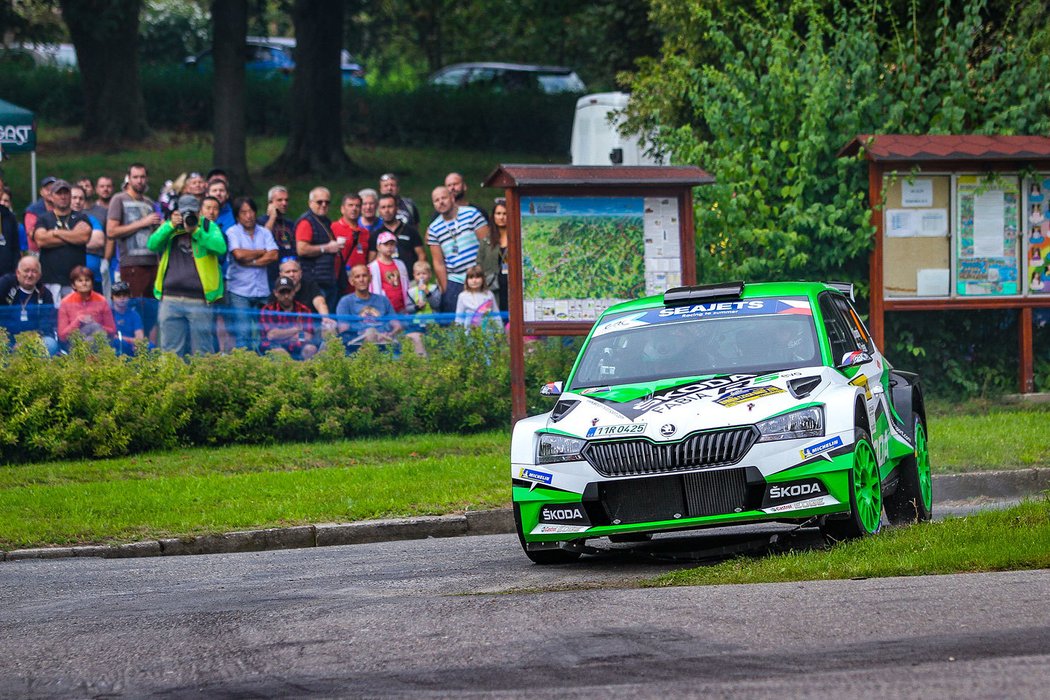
column 458, row 239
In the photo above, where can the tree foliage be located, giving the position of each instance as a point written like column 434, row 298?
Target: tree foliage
column 764, row 98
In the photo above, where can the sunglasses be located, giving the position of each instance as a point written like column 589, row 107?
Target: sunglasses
column 324, row 202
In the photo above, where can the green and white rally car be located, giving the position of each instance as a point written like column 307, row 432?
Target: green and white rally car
column 722, row 405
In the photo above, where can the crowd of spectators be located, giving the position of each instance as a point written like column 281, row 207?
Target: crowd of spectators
column 199, row 271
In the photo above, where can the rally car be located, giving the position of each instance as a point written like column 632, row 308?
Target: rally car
column 722, row 405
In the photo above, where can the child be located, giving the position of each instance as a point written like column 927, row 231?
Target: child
column 476, row 303
column 424, row 294
column 84, row 310
column 127, row 320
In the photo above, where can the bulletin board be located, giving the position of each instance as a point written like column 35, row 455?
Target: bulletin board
column 1037, row 234
column 917, row 225
column 988, row 221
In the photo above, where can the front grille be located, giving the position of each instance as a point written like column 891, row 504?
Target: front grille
column 640, row 457
column 674, row 497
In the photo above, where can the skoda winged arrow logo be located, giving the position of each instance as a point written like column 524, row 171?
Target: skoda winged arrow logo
column 668, row 429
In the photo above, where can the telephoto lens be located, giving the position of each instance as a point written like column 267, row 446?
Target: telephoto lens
column 189, row 220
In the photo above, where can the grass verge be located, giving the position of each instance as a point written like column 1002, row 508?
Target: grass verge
column 980, row 435
column 999, row 540
column 199, row 491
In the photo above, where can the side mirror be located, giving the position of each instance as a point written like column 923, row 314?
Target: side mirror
column 551, row 389
column 852, row 359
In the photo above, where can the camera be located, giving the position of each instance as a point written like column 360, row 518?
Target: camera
column 189, row 219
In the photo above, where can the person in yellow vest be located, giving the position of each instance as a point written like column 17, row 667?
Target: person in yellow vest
column 189, row 279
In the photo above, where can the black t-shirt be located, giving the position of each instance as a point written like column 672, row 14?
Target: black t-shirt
column 9, row 243
column 181, row 279
column 408, row 239
column 55, row 263
column 308, row 291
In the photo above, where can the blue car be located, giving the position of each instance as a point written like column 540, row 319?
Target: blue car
column 271, row 57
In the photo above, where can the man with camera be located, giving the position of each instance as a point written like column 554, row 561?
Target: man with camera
column 188, row 278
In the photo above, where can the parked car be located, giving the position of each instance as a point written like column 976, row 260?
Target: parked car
column 62, row 56
column 274, row 56
column 722, row 405
column 509, row 76
column 597, row 141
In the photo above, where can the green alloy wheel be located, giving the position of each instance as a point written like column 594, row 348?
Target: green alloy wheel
column 865, row 497
column 912, row 502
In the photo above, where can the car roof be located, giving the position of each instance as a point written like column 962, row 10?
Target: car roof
column 751, row 290
column 522, row 67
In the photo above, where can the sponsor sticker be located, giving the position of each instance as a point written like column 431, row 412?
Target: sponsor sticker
column 861, row 380
column 593, row 390
column 818, row 502
column 609, row 430
column 821, row 447
column 687, row 393
column 543, row 529
column 621, row 324
column 735, row 398
column 535, row 475
column 564, row 514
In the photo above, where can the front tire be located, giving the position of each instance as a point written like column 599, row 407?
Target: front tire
column 912, row 502
column 865, row 495
column 541, row 556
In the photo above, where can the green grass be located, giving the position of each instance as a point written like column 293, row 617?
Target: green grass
column 168, row 153
column 215, row 490
column 999, row 540
column 979, row 435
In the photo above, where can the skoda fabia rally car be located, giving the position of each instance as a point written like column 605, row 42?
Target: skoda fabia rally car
column 722, row 405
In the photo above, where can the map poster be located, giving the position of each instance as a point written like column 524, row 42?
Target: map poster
column 581, row 255
column 987, row 260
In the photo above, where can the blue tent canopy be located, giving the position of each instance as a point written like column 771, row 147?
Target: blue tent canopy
column 17, row 129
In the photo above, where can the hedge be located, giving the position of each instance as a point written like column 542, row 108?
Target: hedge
column 180, row 98
column 92, row 403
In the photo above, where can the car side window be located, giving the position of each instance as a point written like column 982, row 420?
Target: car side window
column 839, row 336
column 452, row 77
column 854, row 324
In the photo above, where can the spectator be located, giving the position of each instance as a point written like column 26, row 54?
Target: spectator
column 96, row 245
column 409, row 243
column 365, row 317
column 308, row 293
column 390, row 276
column 38, row 207
column 358, row 241
column 126, row 319
column 210, row 209
column 188, row 279
column 218, row 174
column 104, row 192
column 425, row 295
column 252, row 249
column 476, row 304
column 498, row 240
column 287, row 325
column 369, row 219
column 458, row 187
column 407, row 211
column 100, row 210
column 317, row 247
column 27, row 305
column 170, row 193
column 453, row 238
column 276, row 222
column 84, row 310
column 85, row 184
column 62, row 236
column 130, row 222
column 9, row 243
column 195, row 185
column 220, row 190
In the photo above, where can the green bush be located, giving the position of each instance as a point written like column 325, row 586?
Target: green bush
column 92, row 403
column 180, row 98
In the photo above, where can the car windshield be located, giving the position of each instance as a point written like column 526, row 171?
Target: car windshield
column 756, row 336
column 552, row 83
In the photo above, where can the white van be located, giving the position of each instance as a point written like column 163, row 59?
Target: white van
column 596, row 141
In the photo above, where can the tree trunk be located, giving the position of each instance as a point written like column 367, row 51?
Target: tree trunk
column 229, row 28
column 315, row 144
column 105, row 34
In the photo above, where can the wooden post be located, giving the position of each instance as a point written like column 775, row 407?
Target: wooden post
column 876, row 308
column 1027, row 368
column 516, row 303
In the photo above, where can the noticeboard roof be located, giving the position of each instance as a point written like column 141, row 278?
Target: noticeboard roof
column 597, row 176
column 947, row 147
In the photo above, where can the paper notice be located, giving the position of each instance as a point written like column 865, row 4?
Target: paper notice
column 917, row 193
column 989, row 220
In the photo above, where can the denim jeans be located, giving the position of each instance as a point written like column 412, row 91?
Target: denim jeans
column 183, row 322
column 242, row 320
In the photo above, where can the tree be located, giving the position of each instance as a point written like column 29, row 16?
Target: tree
column 230, row 22
column 315, row 144
column 105, row 34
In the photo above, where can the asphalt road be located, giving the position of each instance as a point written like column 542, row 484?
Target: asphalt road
column 471, row 616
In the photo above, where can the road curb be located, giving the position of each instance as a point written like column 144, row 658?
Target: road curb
column 946, row 487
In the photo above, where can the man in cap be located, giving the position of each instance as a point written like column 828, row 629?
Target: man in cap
column 127, row 320
column 188, row 278
column 287, row 325
column 38, row 207
column 62, row 236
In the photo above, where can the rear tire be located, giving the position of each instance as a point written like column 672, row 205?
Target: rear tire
column 912, row 502
column 865, row 495
column 541, row 556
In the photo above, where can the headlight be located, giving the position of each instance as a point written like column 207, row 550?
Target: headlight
column 807, row 423
column 558, row 448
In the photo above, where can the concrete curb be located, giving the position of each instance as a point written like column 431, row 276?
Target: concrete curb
column 946, row 488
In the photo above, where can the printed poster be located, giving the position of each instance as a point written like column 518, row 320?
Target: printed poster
column 986, row 261
column 1037, row 235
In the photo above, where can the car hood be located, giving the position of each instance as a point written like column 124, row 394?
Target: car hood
column 670, row 409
